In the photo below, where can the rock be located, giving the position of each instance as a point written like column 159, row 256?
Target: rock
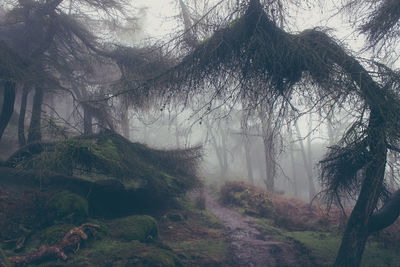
column 137, row 227
column 67, row 207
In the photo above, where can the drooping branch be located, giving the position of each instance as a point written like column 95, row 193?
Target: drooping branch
column 387, row 215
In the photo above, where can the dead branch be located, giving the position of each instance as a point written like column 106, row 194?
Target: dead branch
column 70, row 242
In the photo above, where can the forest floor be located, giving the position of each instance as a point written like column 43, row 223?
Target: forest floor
column 248, row 246
column 264, row 229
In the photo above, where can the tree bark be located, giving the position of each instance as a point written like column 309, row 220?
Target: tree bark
column 356, row 233
column 87, row 120
column 270, row 165
column 246, row 146
column 268, row 136
column 220, row 150
column 357, row 229
column 292, row 161
column 8, row 106
column 125, row 125
column 250, row 175
column 21, row 119
column 35, row 134
column 307, row 165
column 387, row 215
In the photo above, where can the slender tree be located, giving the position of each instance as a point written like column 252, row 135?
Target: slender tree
column 8, row 105
column 21, row 119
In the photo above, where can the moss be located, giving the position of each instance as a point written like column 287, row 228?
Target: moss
column 108, row 252
column 67, row 206
column 324, row 247
column 268, row 229
column 253, row 201
column 202, row 218
column 211, row 251
column 137, row 227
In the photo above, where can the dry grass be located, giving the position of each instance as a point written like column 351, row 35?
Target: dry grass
column 289, row 213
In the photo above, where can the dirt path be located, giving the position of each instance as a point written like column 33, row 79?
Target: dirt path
column 248, row 246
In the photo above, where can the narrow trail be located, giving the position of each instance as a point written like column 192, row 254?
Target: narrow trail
column 248, row 246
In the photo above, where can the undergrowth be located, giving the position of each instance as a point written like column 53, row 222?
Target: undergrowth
column 290, row 214
column 312, row 229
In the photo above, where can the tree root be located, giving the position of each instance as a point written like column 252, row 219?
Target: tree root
column 70, row 242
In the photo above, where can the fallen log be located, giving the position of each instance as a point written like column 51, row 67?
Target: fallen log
column 71, row 242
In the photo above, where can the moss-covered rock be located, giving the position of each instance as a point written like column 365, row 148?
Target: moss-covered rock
column 137, row 227
column 253, row 201
column 140, row 179
column 67, row 206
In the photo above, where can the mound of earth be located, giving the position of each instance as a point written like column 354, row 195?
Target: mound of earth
column 116, row 176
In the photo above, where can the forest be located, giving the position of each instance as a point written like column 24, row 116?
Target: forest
column 199, row 133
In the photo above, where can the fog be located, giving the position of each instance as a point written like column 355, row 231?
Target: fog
column 229, row 147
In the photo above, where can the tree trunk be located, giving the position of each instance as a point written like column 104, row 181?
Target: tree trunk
column 177, row 131
column 21, row 119
column 387, row 215
column 87, row 120
column 125, row 125
column 224, row 154
column 270, row 165
column 268, row 136
column 35, row 134
column 292, row 161
column 246, row 144
column 8, row 106
column 220, row 150
column 307, row 165
column 311, row 184
column 356, row 233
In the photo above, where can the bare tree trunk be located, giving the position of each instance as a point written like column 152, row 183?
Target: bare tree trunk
column 268, row 136
column 269, row 163
column 220, row 151
column 34, row 133
column 307, row 165
column 292, row 162
column 330, row 131
column 356, row 233
column 125, row 124
column 21, row 119
column 87, row 120
column 224, row 153
column 246, row 145
column 311, row 184
column 177, row 131
column 8, row 106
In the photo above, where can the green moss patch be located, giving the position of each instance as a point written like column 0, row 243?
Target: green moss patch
column 198, row 239
column 148, row 178
column 254, row 202
column 324, row 247
column 109, row 252
column 138, row 227
column 204, row 251
column 68, row 206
